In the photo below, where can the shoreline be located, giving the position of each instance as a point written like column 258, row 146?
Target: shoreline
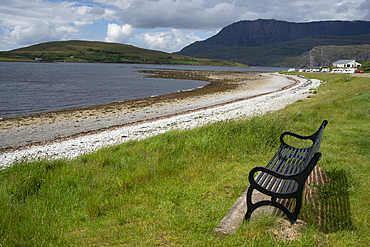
column 72, row 147
column 218, row 82
column 224, row 87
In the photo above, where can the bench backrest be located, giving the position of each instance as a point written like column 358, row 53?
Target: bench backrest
column 291, row 160
column 316, row 139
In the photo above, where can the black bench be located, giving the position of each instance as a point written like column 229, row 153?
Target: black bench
column 285, row 175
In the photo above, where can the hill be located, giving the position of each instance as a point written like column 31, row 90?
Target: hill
column 94, row 51
column 277, row 43
column 323, row 55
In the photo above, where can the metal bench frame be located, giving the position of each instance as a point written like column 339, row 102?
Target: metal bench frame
column 285, row 175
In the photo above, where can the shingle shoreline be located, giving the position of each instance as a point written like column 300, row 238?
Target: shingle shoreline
column 72, row 138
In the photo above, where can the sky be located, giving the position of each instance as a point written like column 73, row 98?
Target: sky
column 164, row 25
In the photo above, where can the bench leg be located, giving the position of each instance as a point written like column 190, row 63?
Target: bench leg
column 250, row 207
column 292, row 216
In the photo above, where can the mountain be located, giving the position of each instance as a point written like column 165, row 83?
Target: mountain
column 94, row 51
column 277, row 43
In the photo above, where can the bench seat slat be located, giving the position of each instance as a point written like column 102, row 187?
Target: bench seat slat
column 302, row 156
column 282, row 160
column 288, row 160
column 278, row 185
column 261, row 175
column 303, row 164
column 279, row 164
column 288, row 163
column 294, row 162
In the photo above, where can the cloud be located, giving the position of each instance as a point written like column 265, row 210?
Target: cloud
column 25, row 22
column 180, row 14
column 33, row 34
column 366, row 7
column 170, row 40
column 211, row 14
column 116, row 33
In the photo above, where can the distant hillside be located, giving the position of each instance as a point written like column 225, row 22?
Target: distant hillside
column 93, row 51
column 325, row 55
column 277, row 43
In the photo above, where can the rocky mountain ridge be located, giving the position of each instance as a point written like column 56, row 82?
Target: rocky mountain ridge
column 280, row 43
column 264, row 32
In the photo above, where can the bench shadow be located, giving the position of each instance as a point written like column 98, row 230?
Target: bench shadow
column 326, row 206
column 329, row 207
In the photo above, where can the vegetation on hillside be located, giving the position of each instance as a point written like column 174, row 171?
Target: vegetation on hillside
column 365, row 66
column 173, row 189
column 93, row 51
column 325, row 55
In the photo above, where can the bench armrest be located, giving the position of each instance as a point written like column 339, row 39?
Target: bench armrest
column 268, row 171
column 310, row 137
column 294, row 135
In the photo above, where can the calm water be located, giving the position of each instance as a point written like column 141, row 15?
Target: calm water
column 29, row 88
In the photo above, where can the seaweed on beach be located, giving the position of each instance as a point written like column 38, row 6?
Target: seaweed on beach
column 219, row 81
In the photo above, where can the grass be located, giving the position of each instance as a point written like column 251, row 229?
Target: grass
column 173, row 189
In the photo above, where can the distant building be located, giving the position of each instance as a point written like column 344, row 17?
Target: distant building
column 337, row 71
column 352, row 70
column 292, row 70
column 314, row 69
column 38, row 59
column 346, row 64
column 325, row 70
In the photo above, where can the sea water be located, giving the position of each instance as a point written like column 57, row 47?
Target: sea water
column 30, row 88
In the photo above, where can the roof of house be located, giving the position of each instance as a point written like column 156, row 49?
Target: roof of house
column 343, row 61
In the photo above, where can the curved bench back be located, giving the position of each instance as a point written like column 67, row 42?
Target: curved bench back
column 316, row 139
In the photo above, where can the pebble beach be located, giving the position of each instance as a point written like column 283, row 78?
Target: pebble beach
column 69, row 134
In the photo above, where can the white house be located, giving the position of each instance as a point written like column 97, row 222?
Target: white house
column 346, row 64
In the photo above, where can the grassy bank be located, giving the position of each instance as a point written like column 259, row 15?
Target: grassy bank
column 173, row 189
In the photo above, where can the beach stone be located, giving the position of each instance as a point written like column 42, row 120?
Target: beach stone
column 234, row 218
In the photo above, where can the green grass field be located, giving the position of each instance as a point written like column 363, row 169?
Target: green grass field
column 173, row 189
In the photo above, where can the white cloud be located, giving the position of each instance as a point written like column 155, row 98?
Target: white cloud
column 116, row 33
column 33, row 34
column 170, row 41
column 24, row 22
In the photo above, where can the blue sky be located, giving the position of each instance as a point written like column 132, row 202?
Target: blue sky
column 165, row 25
